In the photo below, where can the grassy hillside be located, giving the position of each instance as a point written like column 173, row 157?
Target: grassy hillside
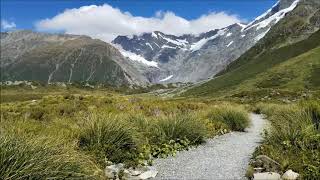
column 302, row 52
column 294, row 35
column 299, row 73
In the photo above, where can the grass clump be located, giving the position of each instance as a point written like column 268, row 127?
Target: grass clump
column 178, row 127
column 109, row 138
column 294, row 139
column 236, row 118
column 41, row 159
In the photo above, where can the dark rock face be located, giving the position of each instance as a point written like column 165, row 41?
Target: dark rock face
column 27, row 55
column 192, row 58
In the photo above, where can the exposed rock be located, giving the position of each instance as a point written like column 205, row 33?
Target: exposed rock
column 266, row 176
column 267, row 163
column 112, row 171
column 148, row 174
column 290, row 175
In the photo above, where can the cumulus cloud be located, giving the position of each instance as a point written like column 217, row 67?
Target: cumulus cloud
column 7, row 25
column 106, row 22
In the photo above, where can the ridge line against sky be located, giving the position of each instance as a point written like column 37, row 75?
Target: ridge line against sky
column 107, row 19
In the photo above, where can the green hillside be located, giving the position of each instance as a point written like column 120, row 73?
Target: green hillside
column 297, row 35
column 259, row 72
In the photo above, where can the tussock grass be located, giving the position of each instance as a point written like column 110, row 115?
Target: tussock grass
column 109, row 127
column 109, row 138
column 40, row 159
column 293, row 139
column 181, row 126
column 236, row 118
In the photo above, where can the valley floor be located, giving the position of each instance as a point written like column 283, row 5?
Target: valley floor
column 223, row 157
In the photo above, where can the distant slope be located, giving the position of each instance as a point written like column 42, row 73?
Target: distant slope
column 294, row 35
column 49, row 58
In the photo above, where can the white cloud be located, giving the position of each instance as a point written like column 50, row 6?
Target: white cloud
column 105, row 22
column 7, row 25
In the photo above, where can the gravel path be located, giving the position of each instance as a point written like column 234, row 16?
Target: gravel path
column 223, row 157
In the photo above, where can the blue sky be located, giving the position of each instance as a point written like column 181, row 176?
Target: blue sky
column 24, row 14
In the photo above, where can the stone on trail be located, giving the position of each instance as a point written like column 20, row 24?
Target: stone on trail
column 148, row 174
column 290, row 175
column 112, row 171
column 266, row 176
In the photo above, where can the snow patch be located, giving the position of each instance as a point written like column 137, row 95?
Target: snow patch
column 260, row 36
column 138, row 58
column 267, row 12
column 166, row 79
column 198, row 45
column 148, row 44
column 230, row 44
column 229, row 34
column 154, row 35
column 166, row 46
column 243, row 35
column 242, row 25
column 178, row 43
column 274, row 18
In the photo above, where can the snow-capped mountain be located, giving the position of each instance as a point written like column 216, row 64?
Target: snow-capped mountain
column 191, row 58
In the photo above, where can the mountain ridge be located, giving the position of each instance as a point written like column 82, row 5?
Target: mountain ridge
column 48, row 58
column 294, row 35
column 193, row 58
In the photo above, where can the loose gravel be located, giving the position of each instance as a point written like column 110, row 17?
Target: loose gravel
column 223, row 157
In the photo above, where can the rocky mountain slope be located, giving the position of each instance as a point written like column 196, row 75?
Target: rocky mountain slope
column 272, row 62
column 191, row 58
column 49, row 58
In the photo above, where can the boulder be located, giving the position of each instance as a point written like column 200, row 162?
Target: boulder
column 266, row 176
column 290, row 175
column 112, row 171
column 148, row 174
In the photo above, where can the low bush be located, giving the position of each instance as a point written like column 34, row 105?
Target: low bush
column 41, row 159
column 236, row 118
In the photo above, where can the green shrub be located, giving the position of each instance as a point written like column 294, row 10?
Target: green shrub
column 41, row 159
column 109, row 138
column 236, row 118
